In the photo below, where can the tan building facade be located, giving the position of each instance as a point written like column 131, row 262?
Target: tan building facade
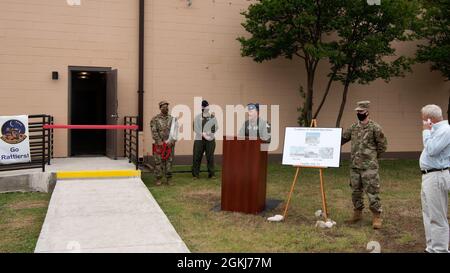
column 190, row 50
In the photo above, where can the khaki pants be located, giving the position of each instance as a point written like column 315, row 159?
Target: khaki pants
column 434, row 209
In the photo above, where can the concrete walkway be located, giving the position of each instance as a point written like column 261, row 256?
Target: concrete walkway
column 106, row 215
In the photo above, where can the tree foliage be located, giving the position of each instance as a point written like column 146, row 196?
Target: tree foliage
column 435, row 28
column 368, row 35
column 289, row 29
column 356, row 38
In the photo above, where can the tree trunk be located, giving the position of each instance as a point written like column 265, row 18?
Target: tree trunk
column 327, row 90
column 309, row 100
column 344, row 101
column 307, row 111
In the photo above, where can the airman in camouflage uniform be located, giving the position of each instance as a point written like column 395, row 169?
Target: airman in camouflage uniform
column 368, row 143
column 160, row 126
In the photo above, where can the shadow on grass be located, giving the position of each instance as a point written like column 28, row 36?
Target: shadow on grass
column 190, row 204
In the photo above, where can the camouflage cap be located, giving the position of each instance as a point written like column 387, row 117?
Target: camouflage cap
column 362, row 105
column 161, row 103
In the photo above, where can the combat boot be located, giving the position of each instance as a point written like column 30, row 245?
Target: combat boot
column 357, row 216
column 376, row 220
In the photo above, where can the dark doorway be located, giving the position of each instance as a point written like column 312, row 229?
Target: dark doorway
column 87, row 103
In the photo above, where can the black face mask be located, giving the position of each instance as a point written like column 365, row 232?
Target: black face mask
column 165, row 111
column 362, row 117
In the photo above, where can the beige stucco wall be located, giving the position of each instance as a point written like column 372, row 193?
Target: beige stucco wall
column 189, row 51
column 38, row 37
column 194, row 52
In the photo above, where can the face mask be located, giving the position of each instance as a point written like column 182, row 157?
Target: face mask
column 165, row 110
column 362, row 117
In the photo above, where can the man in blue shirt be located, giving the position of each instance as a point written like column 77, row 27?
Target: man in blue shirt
column 434, row 163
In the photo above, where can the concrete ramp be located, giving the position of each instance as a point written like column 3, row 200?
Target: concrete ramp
column 106, row 215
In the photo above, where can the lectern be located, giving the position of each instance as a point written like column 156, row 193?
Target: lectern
column 244, row 172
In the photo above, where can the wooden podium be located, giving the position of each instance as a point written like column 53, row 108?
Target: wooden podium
column 244, row 172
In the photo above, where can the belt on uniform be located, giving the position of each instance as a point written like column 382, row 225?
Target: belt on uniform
column 433, row 170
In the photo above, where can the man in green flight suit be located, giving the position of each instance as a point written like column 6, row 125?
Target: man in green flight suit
column 368, row 142
column 164, row 132
column 205, row 126
column 255, row 127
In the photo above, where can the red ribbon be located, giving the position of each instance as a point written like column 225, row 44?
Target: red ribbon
column 106, row 127
column 163, row 150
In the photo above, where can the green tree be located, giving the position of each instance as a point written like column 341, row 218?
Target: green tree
column 364, row 50
column 290, row 28
column 435, row 28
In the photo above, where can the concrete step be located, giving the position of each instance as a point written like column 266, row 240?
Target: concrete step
column 93, row 174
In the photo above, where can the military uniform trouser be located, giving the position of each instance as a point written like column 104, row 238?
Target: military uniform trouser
column 201, row 147
column 163, row 167
column 365, row 181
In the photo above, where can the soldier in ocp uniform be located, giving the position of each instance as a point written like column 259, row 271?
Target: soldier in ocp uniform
column 368, row 142
column 164, row 130
column 205, row 126
column 255, row 127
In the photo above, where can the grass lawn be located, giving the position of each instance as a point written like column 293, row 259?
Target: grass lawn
column 189, row 205
column 21, row 219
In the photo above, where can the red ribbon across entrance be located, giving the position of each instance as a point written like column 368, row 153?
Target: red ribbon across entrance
column 106, row 127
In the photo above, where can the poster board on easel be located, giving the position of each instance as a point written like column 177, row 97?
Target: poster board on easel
column 312, row 147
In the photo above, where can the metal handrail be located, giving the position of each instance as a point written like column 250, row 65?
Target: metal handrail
column 131, row 141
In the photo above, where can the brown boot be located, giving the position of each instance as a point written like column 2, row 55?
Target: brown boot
column 357, row 216
column 376, row 220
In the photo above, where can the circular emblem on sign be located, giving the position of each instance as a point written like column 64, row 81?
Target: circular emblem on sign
column 13, row 132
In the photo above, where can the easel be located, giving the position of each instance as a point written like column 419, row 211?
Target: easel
column 322, row 186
